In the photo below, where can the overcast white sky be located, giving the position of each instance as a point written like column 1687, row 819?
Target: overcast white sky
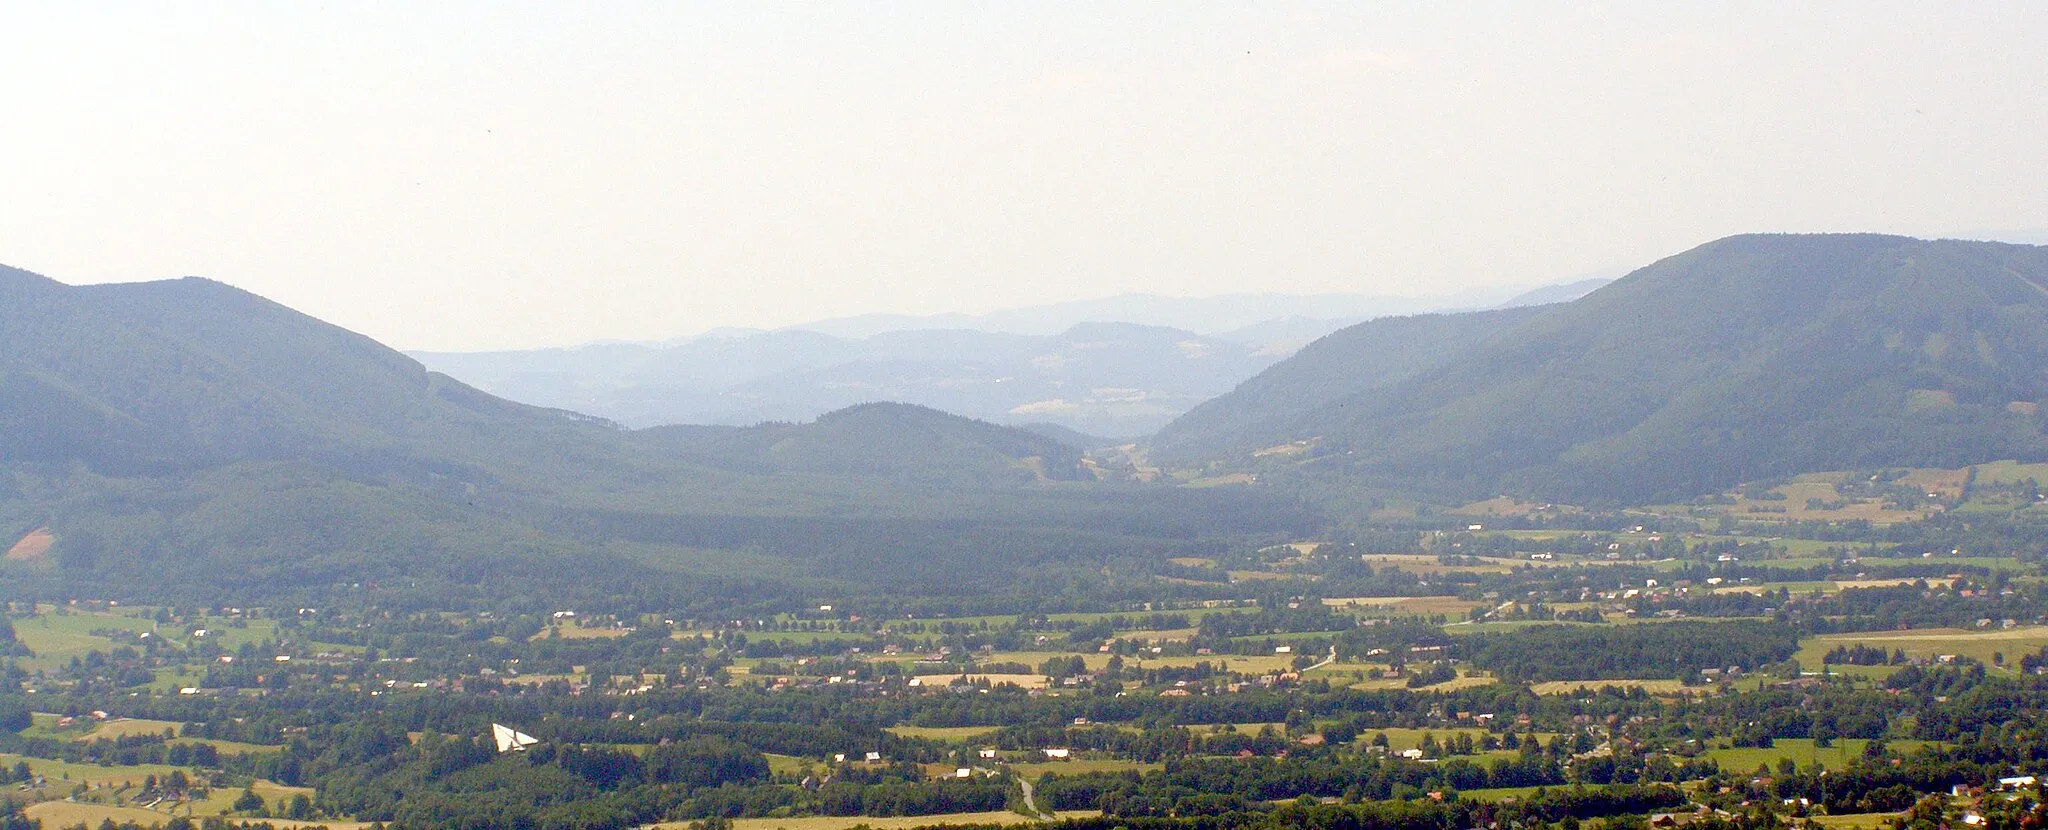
column 479, row 175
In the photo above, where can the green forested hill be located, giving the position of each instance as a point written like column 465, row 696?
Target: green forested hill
column 1285, row 403
column 1744, row 358
column 185, row 439
column 901, row 442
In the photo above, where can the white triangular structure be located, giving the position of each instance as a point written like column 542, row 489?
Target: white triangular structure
column 511, row 740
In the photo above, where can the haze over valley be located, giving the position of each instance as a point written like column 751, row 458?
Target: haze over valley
column 1119, row 367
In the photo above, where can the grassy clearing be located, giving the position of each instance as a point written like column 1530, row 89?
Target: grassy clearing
column 1932, row 642
column 1406, row 606
column 1463, row 682
column 56, row 638
column 67, row 814
column 1339, row 671
column 1250, row 576
column 942, row 733
column 1159, row 635
column 1565, row 687
column 1494, row 794
column 1094, row 660
column 90, row 774
column 1802, row 751
column 274, row 794
column 130, row 727
column 1857, row 821
column 575, row 632
column 2010, row 472
column 787, row 764
column 1399, row 739
column 1249, row 664
column 1194, row 615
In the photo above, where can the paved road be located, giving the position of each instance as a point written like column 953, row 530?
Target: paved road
column 1030, row 800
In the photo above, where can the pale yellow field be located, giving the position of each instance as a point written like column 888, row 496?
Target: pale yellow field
column 32, row 546
column 66, row 814
column 891, row 823
column 1857, row 821
column 942, row 733
column 1341, row 670
column 1465, row 682
column 1947, row 484
column 1565, row 687
column 1846, row 584
column 130, row 727
column 1932, row 642
column 570, row 632
column 1160, row 635
column 1447, row 605
column 1022, row 681
column 1094, row 661
column 1251, row 664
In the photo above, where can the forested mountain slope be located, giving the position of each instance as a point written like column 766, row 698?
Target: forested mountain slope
column 1283, row 403
column 891, row 440
column 190, row 371
column 1745, row 358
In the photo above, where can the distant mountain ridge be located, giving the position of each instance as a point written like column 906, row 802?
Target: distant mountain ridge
column 1744, row 358
column 1102, row 378
column 1112, row 378
column 1201, row 315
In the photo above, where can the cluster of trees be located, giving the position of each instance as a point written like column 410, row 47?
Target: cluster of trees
column 1677, row 649
column 11, row 646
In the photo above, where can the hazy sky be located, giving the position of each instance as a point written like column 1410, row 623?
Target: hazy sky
column 474, row 175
